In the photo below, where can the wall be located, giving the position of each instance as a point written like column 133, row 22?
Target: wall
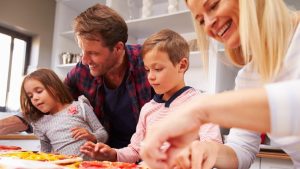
column 35, row 18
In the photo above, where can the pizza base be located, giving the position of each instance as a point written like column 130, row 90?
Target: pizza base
column 67, row 161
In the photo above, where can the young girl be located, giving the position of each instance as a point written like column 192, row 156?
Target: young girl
column 61, row 124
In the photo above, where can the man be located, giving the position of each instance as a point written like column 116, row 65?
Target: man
column 111, row 74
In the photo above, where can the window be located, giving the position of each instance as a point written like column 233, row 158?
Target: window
column 14, row 53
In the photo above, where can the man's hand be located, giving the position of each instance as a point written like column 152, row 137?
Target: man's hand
column 12, row 124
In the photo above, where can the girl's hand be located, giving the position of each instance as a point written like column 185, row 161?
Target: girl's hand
column 99, row 151
column 79, row 133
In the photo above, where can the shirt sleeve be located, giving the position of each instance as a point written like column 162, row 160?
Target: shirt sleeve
column 284, row 103
column 22, row 118
column 97, row 129
column 130, row 153
column 70, row 82
column 245, row 144
column 210, row 132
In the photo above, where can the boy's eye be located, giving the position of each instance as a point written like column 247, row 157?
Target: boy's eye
column 158, row 69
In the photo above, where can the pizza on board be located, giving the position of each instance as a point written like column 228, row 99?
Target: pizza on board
column 9, row 148
column 40, row 156
column 104, row 165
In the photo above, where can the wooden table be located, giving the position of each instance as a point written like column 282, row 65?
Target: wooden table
column 18, row 136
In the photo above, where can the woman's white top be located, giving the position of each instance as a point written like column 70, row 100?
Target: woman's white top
column 284, row 101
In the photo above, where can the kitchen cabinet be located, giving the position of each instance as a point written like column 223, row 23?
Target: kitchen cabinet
column 268, row 163
column 220, row 76
column 271, row 160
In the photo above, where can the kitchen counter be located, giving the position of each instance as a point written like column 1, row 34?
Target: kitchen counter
column 274, row 155
column 22, row 139
column 18, row 136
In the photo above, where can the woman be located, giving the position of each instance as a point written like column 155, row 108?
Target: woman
column 263, row 37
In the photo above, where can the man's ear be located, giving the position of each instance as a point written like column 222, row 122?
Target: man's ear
column 119, row 46
column 183, row 65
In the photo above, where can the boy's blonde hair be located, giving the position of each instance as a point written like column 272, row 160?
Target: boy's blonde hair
column 54, row 87
column 266, row 28
column 167, row 41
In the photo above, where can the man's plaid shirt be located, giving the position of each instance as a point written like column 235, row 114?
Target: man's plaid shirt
column 80, row 81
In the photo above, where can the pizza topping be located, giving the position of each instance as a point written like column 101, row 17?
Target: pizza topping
column 107, row 164
column 38, row 156
column 3, row 147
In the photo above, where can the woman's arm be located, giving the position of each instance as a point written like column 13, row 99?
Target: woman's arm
column 243, row 109
column 247, row 109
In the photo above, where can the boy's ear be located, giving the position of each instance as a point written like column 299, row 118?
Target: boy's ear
column 183, row 65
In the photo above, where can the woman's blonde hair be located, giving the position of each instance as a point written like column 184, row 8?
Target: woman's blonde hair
column 266, row 27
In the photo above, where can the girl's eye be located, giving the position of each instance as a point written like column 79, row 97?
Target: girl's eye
column 39, row 91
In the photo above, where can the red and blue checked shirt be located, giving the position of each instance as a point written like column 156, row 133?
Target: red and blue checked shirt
column 80, row 81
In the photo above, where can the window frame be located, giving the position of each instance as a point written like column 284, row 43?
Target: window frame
column 28, row 39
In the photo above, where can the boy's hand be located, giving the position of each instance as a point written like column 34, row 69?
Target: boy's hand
column 81, row 133
column 99, row 151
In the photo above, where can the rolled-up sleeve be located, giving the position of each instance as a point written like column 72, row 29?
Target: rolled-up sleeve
column 284, row 103
column 245, row 144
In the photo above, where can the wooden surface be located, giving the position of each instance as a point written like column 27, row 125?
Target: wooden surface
column 273, row 155
column 18, row 137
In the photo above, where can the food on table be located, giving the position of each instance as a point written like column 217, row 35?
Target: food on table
column 9, row 148
column 40, row 156
column 107, row 164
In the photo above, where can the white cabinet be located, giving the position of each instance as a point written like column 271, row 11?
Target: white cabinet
column 268, row 163
column 265, row 160
column 256, row 164
column 139, row 29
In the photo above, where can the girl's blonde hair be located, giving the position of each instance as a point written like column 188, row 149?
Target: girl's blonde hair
column 266, row 27
column 54, row 87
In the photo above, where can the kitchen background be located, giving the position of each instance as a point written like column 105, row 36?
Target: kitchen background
column 43, row 29
column 37, row 33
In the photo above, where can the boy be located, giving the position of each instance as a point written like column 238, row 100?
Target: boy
column 165, row 56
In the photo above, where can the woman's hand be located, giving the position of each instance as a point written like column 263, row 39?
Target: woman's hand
column 197, row 155
column 99, row 151
column 79, row 133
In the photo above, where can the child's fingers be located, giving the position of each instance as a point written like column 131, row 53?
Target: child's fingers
column 88, row 145
column 181, row 159
column 99, row 147
column 80, row 134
